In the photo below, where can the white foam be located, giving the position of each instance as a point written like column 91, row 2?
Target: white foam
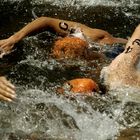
column 129, row 3
column 93, row 125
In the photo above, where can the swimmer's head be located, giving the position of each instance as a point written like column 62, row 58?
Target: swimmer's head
column 70, row 47
column 79, row 86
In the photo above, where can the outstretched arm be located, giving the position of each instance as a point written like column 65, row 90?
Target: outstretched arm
column 40, row 23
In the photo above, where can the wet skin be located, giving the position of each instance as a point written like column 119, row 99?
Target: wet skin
column 124, row 69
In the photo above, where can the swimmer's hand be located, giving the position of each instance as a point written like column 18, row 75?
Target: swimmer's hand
column 7, row 90
column 6, row 46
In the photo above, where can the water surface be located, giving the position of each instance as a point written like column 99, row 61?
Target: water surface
column 39, row 112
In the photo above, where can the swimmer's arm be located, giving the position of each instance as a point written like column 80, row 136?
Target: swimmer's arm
column 102, row 37
column 96, row 35
column 45, row 23
column 62, row 27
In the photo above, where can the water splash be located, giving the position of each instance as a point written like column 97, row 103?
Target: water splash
column 39, row 109
column 32, row 109
column 77, row 3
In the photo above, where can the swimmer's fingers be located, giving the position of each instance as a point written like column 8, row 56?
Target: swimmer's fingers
column 6, row 45
column 6, row 82
column 7, row 49
column 3, row 41
column 7, row 90
column 4, row 98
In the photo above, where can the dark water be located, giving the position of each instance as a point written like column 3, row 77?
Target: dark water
column 39, row 113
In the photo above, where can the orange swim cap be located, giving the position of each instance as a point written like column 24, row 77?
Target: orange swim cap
column 80, row 86
column 83, row 85
column 70, row 47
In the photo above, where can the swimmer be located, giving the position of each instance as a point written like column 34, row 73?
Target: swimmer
column 63, row 28
column 7, row 90
column 124, row 70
